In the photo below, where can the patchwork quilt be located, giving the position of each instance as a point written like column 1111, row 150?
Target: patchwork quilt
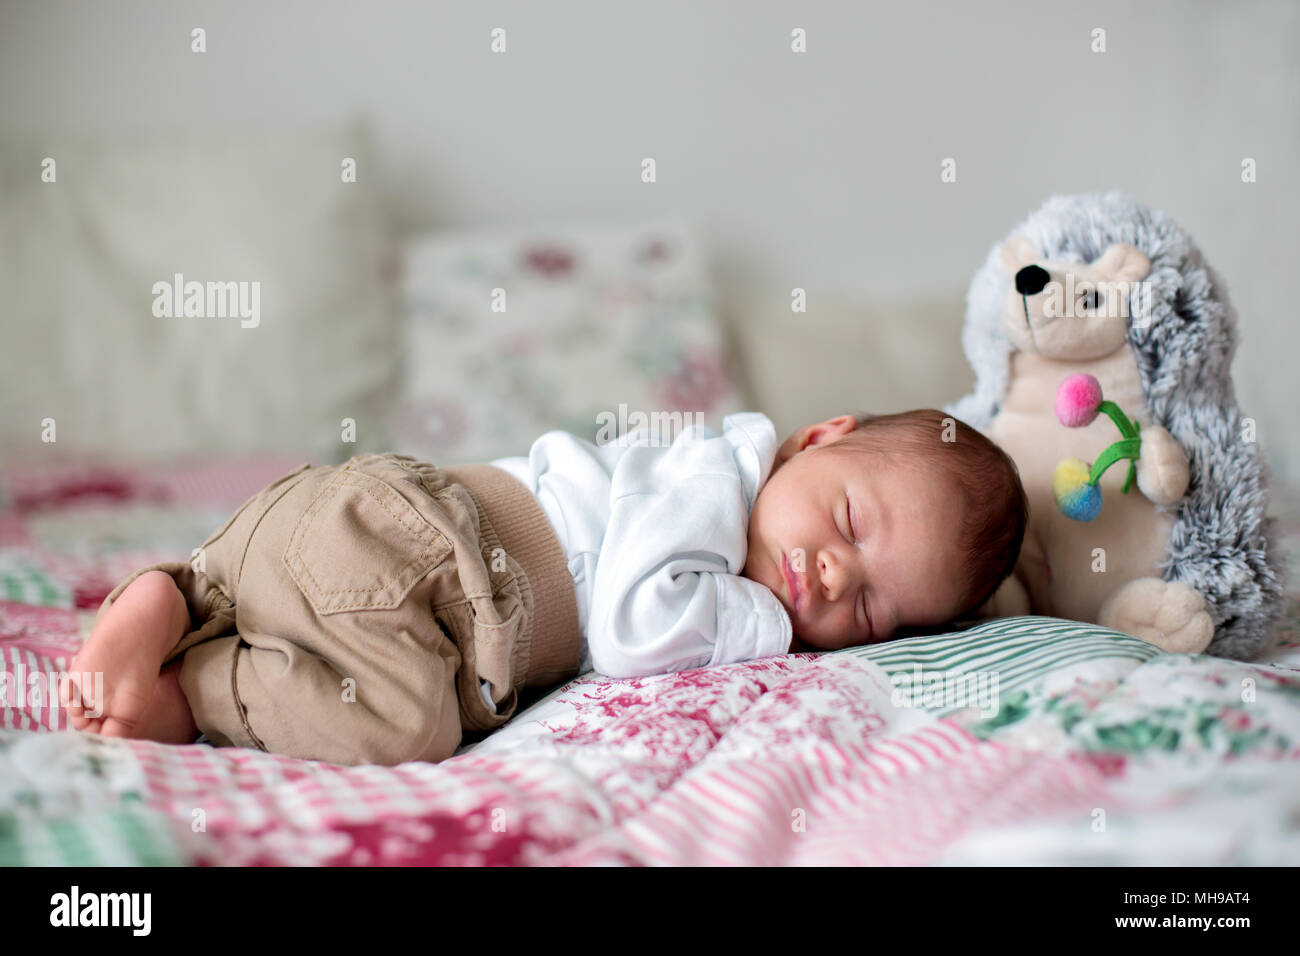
column 1022, row 741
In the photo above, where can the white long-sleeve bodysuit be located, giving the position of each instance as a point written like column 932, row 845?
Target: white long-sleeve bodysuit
column 656, row 538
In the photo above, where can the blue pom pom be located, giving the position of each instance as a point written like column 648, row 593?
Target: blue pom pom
column 1081, row 504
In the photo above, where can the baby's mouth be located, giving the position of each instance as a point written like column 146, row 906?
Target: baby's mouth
column 794, row 589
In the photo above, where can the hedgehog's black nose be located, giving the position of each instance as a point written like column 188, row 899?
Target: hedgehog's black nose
column 1032, row 279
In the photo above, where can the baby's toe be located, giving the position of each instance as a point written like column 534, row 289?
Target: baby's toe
column 113, row 727
column 73, row 705
column 90, row 725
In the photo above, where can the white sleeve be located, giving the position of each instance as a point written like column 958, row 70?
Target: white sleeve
column 668, row 594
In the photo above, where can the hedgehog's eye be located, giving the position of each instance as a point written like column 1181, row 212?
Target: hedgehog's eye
column 1092, row 300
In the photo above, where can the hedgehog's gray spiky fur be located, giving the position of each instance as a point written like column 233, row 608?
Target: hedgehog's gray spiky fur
column 1222, row 544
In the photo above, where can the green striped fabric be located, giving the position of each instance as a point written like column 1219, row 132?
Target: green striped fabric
column 70, row 799
column 33, row 586
column 1019, row 650
column 125, row 834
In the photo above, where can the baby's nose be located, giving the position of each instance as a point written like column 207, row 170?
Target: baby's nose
column 831, row 574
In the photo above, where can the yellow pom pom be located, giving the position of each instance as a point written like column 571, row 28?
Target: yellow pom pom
column 1074, row 496
column 1070, row 475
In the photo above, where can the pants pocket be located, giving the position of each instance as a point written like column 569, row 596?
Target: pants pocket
column 361, row 546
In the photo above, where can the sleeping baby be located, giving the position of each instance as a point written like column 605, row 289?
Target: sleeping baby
column 372, row 612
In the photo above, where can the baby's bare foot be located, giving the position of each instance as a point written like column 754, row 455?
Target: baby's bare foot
column 114, row 686
column 116, row 673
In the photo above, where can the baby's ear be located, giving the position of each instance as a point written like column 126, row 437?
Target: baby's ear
column 789, row 448
column 817, row 433
column 1017, row 253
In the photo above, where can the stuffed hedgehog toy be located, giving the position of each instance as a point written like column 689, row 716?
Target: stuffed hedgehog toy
column 1097, row 303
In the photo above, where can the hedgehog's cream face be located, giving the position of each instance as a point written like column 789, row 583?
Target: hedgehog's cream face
column 1065, row 310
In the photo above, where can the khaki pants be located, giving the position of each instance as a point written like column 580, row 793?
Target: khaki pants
column 345, row 613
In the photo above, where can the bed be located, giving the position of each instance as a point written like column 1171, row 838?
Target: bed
column 1026, row 740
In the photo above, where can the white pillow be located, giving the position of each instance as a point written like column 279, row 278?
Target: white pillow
column 81, row 257
column 848, row 355
column 596, row 317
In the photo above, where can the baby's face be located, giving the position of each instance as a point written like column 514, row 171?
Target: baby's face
column 854, row 543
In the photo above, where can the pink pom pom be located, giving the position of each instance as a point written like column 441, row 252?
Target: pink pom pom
column 1077, row 400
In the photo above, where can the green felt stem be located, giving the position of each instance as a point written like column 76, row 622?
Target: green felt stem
column 1126, row 427
column 1132, row 465
column 1128, row 448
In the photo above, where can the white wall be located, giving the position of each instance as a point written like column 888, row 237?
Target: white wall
column 818, row 170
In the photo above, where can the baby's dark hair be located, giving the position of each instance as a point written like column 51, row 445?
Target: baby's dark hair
column 992, row 500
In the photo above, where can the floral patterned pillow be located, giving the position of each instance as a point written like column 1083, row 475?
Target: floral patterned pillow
column 510, row 334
